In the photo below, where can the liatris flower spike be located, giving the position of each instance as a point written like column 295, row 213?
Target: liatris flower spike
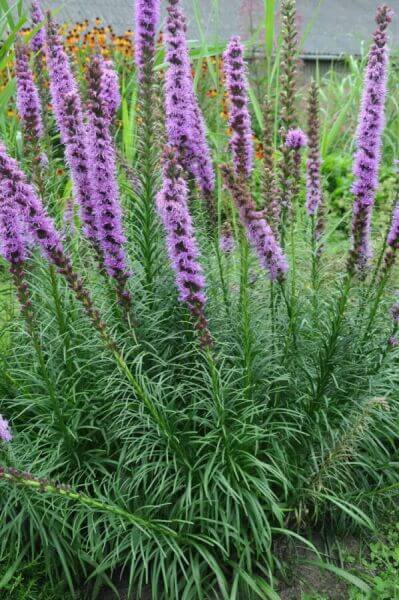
column 110, row 88
column 260, row 235
column 289, row 51
column 5, row 431
column 227, row 242
column 296, row 139
column 314, row 194
column 104, row 184
column 184, row 120
column 181, row 243
column 240, row 120
column 37, row 16
column 146, row 18
column 369, row 133
column 28, row 101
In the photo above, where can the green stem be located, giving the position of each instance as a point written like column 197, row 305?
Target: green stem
column 43, row 486
column 62, row 325
column 326, row 355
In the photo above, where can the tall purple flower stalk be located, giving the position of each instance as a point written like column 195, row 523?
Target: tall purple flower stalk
column 110, row 86
column 39, row 226
column 103, row 173
column 184, row 120
column 239, row 120
column 40, row 229
column 260, row 234
column 393, row 235
column 5, row 431
column 181, row 243
column 314, row 193
column 146, row 22
column 69, row 117
column 28, row 101
column 13, row 234
column 369, row 133
column 37, row 16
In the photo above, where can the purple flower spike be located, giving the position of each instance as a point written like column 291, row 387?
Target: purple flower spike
column 110, row 85
column 69, row 117
column 74, row 137
column 260, row 234
column 369, row 132
column 62, row 80
column 395, row 313
column 5, row 431
column 13, row 246
column 181, row 243
column 39, row 226
column 37, row 16
column 146, row 19
column 103, row 172
column 314, row 191
column 226, row 242
column 393, row 235
column 184, row 120
column 28, row 100
column 296, row 139
column 240, row 120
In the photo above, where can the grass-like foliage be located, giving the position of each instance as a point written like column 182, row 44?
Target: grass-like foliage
column 189, row 343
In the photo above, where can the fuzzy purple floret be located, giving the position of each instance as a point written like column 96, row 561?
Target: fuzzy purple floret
column 37, row 16
column 259, row 233
column 184, row 120
column 395, row 312
column 393, row 235
column 369, row 133
column 62, row 80
column 103, row 173
column 296, row 139
column 69, row 117
column 40, row 227
column 264, row 242
column 5, row 431
column 13, row 234
column 28, row 99
column 239, row 120
column 226, row 241
column 111, row 93
column 146, row 21
column 172, row 205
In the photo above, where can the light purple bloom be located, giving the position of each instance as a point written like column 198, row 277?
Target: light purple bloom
column 393, row 235
column 39, row 226
column 239, row 120
column 28, row 100
column 37, row 16
column 69, row 117
column 62, row 80
column 181, row 243
column 369, row 132
column 260, row 234
column 314, row 192
column 13, row 234
column 395, row 313
column 110, row 86
column 103, row 173
column 5, row 431
column 226, row 242
column 184, row 120
column 296, row 139
column 146, row 22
